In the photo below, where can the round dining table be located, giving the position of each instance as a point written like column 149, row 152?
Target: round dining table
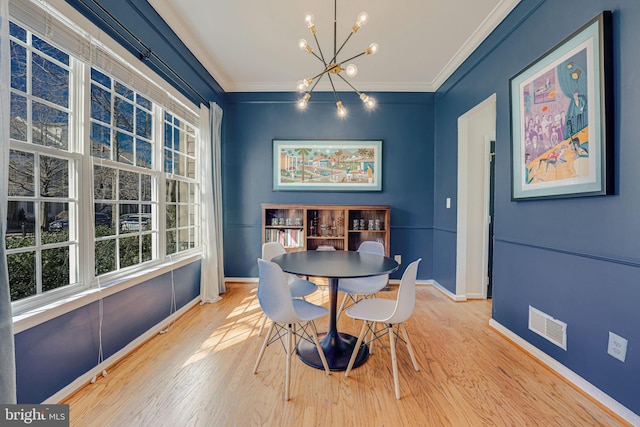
column 334, row 265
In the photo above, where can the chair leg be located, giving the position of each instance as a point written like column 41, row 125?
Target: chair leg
column 372, row 337
column 344, row 301
column 288, row 363
column 264, row 322
column 409, row 347
column 394, row 361
column 264, row 346
column 295, row 336
column 356, row 349
column 323, row 358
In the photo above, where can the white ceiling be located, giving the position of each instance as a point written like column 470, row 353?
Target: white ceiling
column 252, row 45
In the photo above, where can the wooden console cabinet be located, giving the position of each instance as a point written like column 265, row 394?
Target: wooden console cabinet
column 309, row 227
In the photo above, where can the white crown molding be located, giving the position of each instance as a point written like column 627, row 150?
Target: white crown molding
column 492, row 21
column 326, row 87
column 178, row 26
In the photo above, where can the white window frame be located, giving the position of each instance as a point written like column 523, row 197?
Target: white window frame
column 81, row 166
column 74, row 158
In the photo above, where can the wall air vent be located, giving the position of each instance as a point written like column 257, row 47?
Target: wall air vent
column 548, row 327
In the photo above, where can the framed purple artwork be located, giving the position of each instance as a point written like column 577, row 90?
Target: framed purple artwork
column 561, row 118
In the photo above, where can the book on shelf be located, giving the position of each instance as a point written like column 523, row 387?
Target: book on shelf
column 288, row 238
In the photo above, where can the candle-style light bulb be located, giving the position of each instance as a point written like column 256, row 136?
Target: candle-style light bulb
column 342, row 112
column 369, row 102
column 362, row 19
column 308, row 19
column 301, row 85
column 352, row 70
column 302, row 102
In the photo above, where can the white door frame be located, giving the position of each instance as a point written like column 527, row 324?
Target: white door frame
column 476, row 128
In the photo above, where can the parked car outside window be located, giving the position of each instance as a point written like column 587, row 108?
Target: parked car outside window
column 59, row 224
column 135, row 222
column 63, row 223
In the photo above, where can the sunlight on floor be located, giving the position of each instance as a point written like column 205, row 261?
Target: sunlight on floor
column 244, row 322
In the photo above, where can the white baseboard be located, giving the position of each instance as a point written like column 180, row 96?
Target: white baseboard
column 569, row 375
column 240, row 280
column 86, row 378
column 418, row 282
column 448, row 293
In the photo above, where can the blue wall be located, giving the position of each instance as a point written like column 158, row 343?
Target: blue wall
column 404, row 121
column 53, row 354
column 577, row 260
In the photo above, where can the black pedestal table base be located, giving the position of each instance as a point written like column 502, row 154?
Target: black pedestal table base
column 337, row 350
column 337, row 347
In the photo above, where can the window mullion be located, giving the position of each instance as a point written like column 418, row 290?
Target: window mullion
column 160, row 182
column 29, row 100
column 37, row 232
column 81, row 127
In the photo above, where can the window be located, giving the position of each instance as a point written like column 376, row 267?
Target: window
column 122, row 133
column 121, row 122
column 41, row 197
column 87, row 174
column 129, row 240
column 182, row 217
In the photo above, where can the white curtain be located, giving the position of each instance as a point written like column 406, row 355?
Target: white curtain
column 7, row 350
column 212, row 272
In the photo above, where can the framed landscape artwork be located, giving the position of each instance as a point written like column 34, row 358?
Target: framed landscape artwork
column 327, row 165
column 561, row 118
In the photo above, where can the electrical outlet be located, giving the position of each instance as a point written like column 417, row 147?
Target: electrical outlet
column 617, row 347
column 398, row 259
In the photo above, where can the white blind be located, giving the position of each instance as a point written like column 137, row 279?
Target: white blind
column 53, row 27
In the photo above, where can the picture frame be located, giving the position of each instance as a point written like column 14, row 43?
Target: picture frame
column 327, row 165
column 562, row 118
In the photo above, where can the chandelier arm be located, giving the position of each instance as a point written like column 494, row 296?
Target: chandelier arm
column 319, row 50
column 333, row 88
column 315, row 84
column 350, row 85
column 319, row 58
column 354, row 57
column 325, row 71
column 338, row 52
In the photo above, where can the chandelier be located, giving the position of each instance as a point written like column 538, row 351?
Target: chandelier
column 332, row 67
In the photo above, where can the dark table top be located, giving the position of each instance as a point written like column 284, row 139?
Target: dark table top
column 335, row 264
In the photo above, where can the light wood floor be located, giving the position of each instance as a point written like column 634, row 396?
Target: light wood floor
column 200, row 374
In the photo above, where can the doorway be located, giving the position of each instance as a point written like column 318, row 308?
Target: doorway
column 492, row 184
column 476, row 131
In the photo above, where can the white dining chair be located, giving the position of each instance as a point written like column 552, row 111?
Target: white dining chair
column 289, row 316
column 299, row 287
column 362, row 287
column 389, row 313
